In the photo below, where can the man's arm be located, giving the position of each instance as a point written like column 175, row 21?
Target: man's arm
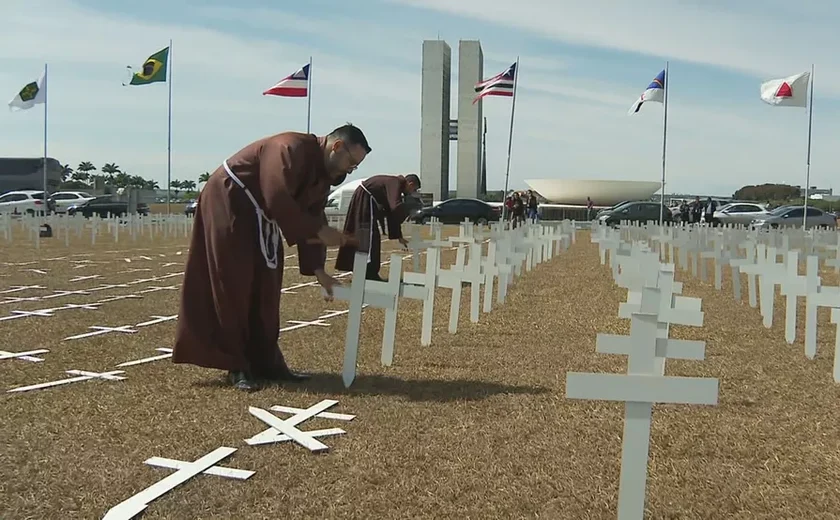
column 312, row 257
column 397, row 209
column 283, row 167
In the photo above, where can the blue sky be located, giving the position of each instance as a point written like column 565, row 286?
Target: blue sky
column 582, row 66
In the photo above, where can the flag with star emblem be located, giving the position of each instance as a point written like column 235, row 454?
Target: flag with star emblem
column 32, row 94
column 153, row 71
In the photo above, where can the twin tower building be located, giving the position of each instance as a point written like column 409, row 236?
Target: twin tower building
column 437, row 129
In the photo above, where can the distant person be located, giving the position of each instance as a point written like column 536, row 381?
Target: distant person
column 684, row 212
column 378, row 200
column 709, row 211
column 518, row 209
column 533, row 205
column 589, row 207
column 696, row 210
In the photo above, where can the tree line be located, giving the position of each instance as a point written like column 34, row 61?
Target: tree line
column 85, row 176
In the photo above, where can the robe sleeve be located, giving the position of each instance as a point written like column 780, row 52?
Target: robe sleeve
column 312, row 257
column 397, row 209
column 282, row 170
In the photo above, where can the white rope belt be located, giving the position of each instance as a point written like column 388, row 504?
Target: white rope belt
column 370, row 205
column 270, row 236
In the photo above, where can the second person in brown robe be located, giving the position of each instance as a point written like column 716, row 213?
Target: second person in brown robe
column 229, row 317
column 378, row 201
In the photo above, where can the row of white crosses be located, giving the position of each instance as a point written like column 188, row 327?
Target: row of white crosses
column 652, row 305
column 769, row 260
column 278, row 431
column 64, row 226
column 507, row 251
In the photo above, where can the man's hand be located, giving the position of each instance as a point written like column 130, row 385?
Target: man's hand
column 404, row 242
column 327, row 282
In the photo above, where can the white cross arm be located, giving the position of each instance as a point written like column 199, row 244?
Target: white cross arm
column 665, row 348
column 371, row 297
column 642, row 388
column 219, row 471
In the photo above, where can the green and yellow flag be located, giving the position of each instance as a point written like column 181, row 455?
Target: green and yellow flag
column 154, row 69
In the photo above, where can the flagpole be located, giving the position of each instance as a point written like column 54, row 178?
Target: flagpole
column 808, row 159
column 46, row 193
column 510, row 133
column 667, row 86
column 309, row 96
column 169, row 134
column 46, row 98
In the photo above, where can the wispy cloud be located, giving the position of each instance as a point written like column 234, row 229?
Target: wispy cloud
column 757, row 37
column 571, row 117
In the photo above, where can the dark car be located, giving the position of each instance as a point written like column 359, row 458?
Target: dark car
column 190, row 209
column 454, row 211
column 103, row 206
column 641, row 211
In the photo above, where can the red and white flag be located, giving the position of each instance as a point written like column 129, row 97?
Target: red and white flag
column 501, row 84
column 295, row 85
column 791, row 91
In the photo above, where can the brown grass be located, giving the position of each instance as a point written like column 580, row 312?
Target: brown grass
column 474, row 426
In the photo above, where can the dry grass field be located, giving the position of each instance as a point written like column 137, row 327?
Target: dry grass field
column 474, row 426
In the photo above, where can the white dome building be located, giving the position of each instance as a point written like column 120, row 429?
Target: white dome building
column 573, row 192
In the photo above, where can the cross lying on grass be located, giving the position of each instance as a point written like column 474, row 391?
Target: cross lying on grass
column 135, row 505
column 286, row 430
column 81, row 375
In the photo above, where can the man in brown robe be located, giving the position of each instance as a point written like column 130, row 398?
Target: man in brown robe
column 379, row 199
column 230, row 302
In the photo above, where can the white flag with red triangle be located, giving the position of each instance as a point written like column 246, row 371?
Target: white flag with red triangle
column 791, row 91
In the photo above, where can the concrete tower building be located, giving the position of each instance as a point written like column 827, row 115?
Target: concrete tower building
column 434, row 118
column 470, row 119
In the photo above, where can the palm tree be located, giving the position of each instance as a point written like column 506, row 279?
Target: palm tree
column 66, row 172
column 176, row 186
column 204, row 177
column 111, row 169
column 86, row 167
column 188, row 185
column 150, row 185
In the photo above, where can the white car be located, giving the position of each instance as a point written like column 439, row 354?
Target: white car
column 65, row 199
column 742, row 213
column 24, row 202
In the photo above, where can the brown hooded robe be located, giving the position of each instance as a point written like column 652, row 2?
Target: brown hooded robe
column 230, row 300
column 377, row 200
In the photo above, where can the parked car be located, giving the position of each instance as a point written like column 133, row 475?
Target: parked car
column 640, row 211
column 190, row 209
column 792, row 216
column 740, row 213
column 103, row 206
column 454, row 211
column 65, row 199
column 604, row 211
column 25, row 202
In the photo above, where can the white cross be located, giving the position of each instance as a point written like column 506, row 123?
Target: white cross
column 155, row 288
column 37, row 271
column 107, row 287
column 26, row 356
column 135, row 505
column 83, row 278
column 286, row 430
column 19, row 288
column 639, row 389
column 102, row 330
column 81, row 375
column 85, row 306
column 130, row 271
column 119, row 297
column 43, row 313
column 168, row 354
column 58, row 294
column 20, row 300
column 794, row 286
column 157, row 319
column 297, row 324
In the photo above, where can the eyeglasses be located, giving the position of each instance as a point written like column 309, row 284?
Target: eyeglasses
column 354, row 163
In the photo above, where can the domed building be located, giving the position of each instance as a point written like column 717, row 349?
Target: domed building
column 604, row 193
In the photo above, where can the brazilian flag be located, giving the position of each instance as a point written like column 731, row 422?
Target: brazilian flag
column 154, row 69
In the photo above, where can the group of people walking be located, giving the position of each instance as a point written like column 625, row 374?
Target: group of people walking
column 519, row 208
column 695, row 212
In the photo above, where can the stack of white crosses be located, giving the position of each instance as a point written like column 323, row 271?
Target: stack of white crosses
column 484, row 259
column 786, row 261
column 653, row 305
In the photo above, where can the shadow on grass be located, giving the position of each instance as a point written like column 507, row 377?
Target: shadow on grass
column 412, row 389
